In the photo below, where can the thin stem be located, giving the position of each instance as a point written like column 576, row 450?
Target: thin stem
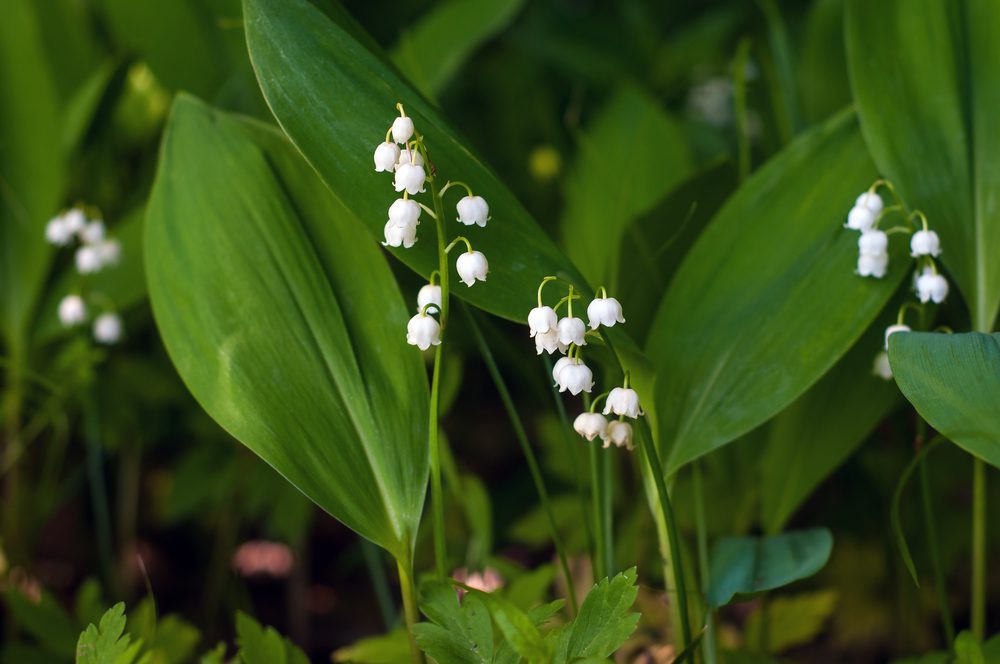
column 932, row 544
column 380, row 582
column 426, row 209
column 978, row 548
column 98, row 490
column 703, row 570
column 409, row 592
column 541, row 286
column 606, row 460
column 460, row 238
column 600, row 534
column 522, row 439
column 455, row 183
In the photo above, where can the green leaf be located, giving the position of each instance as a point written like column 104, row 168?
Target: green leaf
column 288, row 331
column 767, row 299
column 55, row 630
column 381, row 649
column 788, row 621
column 462, row 632
column 753, row 564
column 604, row 621
column 264, row 645
column 105, row 643
column 968, row 650
column 630, row 155
column 432, row 50
column 313, row 50
column 953, row 380
column 822, row 428
column 518, row 628
column 926, row 80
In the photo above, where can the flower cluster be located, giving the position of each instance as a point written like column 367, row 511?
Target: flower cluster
column 873, row 255
column 95, row 252
column 404, row 154
column 568, row 335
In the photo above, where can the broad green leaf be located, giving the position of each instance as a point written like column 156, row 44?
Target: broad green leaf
column 953, row 380
column 788, row 621
column 767, row 300
column 30, row 169
column 432, row 50
column 752, row 564
column 264, row 645
column 926, row 80
column 630, row 155
column 334, row 94
column 287, row 330
column 604, row 621
column 822, row 428
column 822, row 63
column 107, row 642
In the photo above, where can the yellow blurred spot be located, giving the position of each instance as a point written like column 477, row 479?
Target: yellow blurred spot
column 545, row 162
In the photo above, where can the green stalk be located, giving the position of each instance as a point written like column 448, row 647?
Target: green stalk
column 437, row 494
column 978, row 548
column 12, row 404
column 708, row 642
column 529, row 454
column 605, row 461
column 409, row 592
column 932, row 544
column 98, row 490
column 600, row 568
column 380, row 584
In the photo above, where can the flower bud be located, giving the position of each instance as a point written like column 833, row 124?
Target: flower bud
column 473, row 210
column 623, row 401
column 873, row 265
column 572, row 331
column 411, row 178
column 72, row 310
column 880, row 366
column 386, row 156
column 402, row 129
column 396, row 236
column 423, row 332
column 404, row 212
column 108, row 328
column 591, row 425
column 873, row 242
column 931, row 287
column 472, row 266
column 925, row 243
column 620, row 433
column 542, row 319
column 893, row 329
column 604, row 311
column 429, row 294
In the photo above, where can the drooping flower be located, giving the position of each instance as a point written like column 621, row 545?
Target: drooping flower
column 472, row 266
column 57, row 232
column 549, row 342
column 870, row 201
column 880, row 366
column 109, row 251
column 74, row 220
column 873, row 265
column 429, row 294
column 402, row 129
column 386, row 156
column 423, row 331
column 925, row 243
column 410, row 178
column 623, row 401
column 572, row 330
column 591, row 425
column 72, row 310
column 893, row 329
column 873, row 242
column 604, row 311
column 108, row 328
column 619, row 433
column 88, row 260
column 410, row 156
column 404, row 212
column 576, row 377
column 542, row 319
column 560, row 363
column 93, row 233
column 931, row 287
column 473, row 210
column 399, row 236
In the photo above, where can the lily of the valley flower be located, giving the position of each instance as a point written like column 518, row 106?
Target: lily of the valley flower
column 88, row 260
column 873, row 265
column 925, row 243
column 473, row 210
column 423, row 331
column 548, row 341
column 386, row 156
column 472, row 266
column 931, row 286
column 866, row 209
column 542, row 319
column 604, row 311
column 591, row 425
column 623, row 401
column 572, row 331
column 575, row 376
column 72, row 310
column 57, row 232
column 93, row 233
column 410, row 178
column 873, row 257
column 893, row 329
column 108, row 328
column 880, row 366
column 399, row 236
column 404, row 212
column 619, row 433
column 410, row 156
column 430, row 294
column 109, row 251
column 402, row 129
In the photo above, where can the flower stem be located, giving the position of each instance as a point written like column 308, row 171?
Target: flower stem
column 700, row 524
column 932, row 544
column 409, row 591
column 98, row 490
column 978, row 548
column 522, row 439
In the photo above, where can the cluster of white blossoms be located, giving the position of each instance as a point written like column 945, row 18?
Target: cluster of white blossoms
column 873, row 256
column 95, row 252
column 568, row 335
column 404, row 154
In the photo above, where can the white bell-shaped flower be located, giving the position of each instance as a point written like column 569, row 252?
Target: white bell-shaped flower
column 75, row 220
column 92, row 233
column 423, row 331
column 473, row 210
column 620, row 433
column 549, row 342
column 870, row 201
column 604, row 311
column 576, row 377
column 880, row 366
column 591, row 425
column 472, row 266
column 88, row 260
column 873, row 265
column 572, row 331
column 72, row 310
column 560, row 363
column 925, row 243
column 57, row 232
column 399, row 236
column 404, row 212
column 386, row 156
column 108, row 328
column 410, row 178
column 893, row 329
column 931, row 287
column 409, row 156
column 860, row 218
column 623, row 401
column 542, row 319
column 873, row 242
column 429, row 294
column 402, row 129
column 109, row 251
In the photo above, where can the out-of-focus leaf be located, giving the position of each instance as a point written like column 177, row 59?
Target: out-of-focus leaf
column 382, row 649
column 264, row 645
column 55, row 630
column 312, row 50
column 628, row 158
column 604, row 621
column 767, row 300
column 788, row 621
column 752, row 564
column 926, row 80
column 78, row 114
column 822, row 64
column 953, row 380
column 431, row 51
column 248, row 256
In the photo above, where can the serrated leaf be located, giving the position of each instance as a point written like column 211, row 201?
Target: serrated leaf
column 518, row 629
column 463, row 629
column 106, row 643
column 264, row 645
column 603, row 623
